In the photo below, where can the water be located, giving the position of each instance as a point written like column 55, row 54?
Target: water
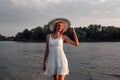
column 88, row 61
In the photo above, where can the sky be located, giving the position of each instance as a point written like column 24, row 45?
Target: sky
column 17, row 15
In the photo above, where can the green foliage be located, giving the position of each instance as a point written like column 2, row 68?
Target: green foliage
column 90, row 33
column 2, row 37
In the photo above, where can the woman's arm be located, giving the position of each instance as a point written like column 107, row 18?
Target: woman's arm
column 69, row 41
column 46, row 53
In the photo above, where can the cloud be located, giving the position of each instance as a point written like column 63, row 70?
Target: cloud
column 20, row 2
column 31, row 13
column 54, row 1
column 102, row 1
column 38, row 3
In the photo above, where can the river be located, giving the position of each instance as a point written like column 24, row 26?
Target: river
column 88, row 61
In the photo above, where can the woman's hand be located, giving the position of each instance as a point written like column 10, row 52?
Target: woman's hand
column 75, row 42
column 72, row 29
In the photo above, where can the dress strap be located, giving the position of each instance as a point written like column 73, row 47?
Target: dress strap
column 55, row 38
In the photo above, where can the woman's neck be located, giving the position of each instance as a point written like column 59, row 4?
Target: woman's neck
column 57, row 34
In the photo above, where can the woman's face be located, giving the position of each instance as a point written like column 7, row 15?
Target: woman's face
column 59, row 27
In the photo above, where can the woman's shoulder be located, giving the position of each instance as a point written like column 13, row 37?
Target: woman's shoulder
column 48, row 35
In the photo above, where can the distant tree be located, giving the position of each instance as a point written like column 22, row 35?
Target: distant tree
column 90, row 33
column 94, row 32
column 45, row 31
column 26, row 34
column 37, row 34
column 19, row 36
column 2, row 37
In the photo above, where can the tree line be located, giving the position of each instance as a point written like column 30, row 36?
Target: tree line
column 91, row 33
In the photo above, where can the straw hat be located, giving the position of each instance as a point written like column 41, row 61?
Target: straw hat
column 53, row 22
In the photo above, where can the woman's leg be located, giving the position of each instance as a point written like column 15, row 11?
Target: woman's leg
column 61, row 77
column 55, row 77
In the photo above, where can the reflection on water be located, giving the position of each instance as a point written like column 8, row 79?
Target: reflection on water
column 89, row 61
column 20, row 61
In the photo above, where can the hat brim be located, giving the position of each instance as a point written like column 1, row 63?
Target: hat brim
column 53, row 22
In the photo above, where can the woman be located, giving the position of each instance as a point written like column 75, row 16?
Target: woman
column 57, row 64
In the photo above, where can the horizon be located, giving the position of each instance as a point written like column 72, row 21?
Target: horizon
column 74, row 27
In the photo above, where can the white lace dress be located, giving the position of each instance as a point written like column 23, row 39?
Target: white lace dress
column 57, row 62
